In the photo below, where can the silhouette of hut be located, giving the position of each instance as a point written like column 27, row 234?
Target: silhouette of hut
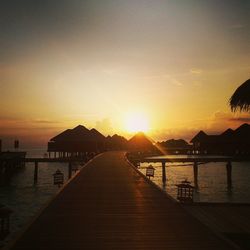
column 141, row 143
column 173, row 146
column 98, row 139
column 229, row 142
column 77, row 141
column 241, row 97
column 116, row 142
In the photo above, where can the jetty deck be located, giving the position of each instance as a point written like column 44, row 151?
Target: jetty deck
column 108, row 205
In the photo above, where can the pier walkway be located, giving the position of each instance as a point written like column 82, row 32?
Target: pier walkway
column 110, row 206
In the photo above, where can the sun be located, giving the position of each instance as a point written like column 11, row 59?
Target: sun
column 136, row 122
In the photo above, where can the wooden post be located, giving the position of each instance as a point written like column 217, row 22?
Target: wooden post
column 229, row 176
column 195, row 168
column 70, row 170
column 164, row 172
column 36, row 172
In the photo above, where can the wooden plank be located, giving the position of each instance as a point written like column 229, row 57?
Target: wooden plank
column 110, row 206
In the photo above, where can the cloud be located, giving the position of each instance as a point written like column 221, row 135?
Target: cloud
column 237, row 26
column 104, row 126
column 222, row 120
column 172, row 80
column 18, row 126
column 196, row 71
column 41, row 121
column 174, row 133
column 108, row 72
column 241, row 119
column 164, row 77
column 217, row 123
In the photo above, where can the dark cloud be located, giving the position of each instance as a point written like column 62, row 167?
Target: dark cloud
column 45, row 121
column 240, row 119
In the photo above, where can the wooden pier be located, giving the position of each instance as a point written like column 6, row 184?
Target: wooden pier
column 108, row 205
column 67, row 160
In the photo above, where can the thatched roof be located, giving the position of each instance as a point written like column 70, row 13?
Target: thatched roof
column 119, row 139
column 200, row 136
column 62, row 136
column 172, row 143
column 79, row 133
column 97, row 135
column 241, row 97
column 116, row 142
column 241, row 134
column 228, row 132
column 141, row 142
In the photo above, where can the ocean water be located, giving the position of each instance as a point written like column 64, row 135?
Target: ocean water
column 23, row 197
column 212, row 180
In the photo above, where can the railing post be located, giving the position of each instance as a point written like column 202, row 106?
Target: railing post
column 229, row 176
column 70, row 170
column 36, row 172
column 164, row 172
column 195, row 168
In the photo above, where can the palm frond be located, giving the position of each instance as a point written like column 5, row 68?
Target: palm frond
column 240, row 100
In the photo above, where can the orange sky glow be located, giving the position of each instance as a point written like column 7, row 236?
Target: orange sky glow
column 167, row 67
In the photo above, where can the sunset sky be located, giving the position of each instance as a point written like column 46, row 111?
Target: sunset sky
column 102, row 62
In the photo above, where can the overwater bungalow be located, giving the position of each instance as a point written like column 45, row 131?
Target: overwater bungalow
column 173, row 146
column 76, row 141
column 80, row 141
column 141, row 143
column 116, row 142
column 230, row 142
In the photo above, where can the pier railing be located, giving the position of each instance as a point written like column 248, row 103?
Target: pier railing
column 9, row 164
column 196, row 161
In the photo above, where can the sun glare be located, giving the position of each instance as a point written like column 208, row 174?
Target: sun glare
column 136, row 122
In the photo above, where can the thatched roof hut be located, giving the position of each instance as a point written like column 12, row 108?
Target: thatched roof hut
column 200, row 136
column 78, row 139
column 241, row 98
column 140, row 142
column 97, row 135
column 116, row 142
column 229, row 142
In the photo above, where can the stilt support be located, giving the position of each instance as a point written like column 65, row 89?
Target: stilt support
column 164, row 172
column 195, row 167
column 229, row 176
column 70, row 170
column 36, row 172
